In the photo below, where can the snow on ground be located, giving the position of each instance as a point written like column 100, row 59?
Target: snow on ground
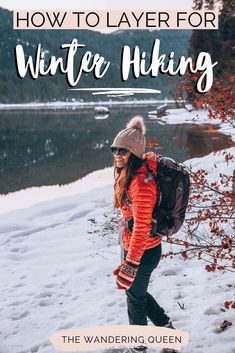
column 214, row 164
column 57, row 258
column 28, row 197
column 182, row 116
column 81, row 104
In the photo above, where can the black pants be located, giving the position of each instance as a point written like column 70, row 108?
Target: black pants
column 140, row 304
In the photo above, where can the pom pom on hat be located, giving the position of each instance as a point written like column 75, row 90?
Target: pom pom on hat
column 132, row 137
column 137, row 123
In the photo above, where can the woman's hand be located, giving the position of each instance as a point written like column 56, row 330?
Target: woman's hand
column 150, row 155
column 126, row 274
column 116, row 271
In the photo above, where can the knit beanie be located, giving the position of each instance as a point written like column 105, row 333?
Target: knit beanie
column 132, row 137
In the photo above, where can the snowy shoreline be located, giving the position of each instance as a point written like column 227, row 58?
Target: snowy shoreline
column 74, row 104
column 59, row 246
column 182, row 116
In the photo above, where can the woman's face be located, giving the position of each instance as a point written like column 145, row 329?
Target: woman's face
column 121, row 160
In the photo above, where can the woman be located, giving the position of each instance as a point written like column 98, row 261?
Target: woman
column 135, row 194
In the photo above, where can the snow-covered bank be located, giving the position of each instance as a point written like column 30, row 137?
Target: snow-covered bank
column 74, row 104
column 28, row 197
column 56, row 263
column 182, row 116
column 214, row 164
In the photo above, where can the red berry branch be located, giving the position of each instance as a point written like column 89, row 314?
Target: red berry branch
column 210, row 223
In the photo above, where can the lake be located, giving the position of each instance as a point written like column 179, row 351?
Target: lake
column 48, row 147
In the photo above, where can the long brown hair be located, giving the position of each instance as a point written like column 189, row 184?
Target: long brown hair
column 123, row 177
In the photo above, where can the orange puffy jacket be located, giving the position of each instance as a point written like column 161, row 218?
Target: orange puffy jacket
column 143, row 198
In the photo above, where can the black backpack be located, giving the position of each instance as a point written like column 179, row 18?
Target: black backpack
column 173, row 184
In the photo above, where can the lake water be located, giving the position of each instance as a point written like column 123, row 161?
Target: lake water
column 48, row 147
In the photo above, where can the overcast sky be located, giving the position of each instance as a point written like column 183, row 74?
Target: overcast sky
column 97, row 5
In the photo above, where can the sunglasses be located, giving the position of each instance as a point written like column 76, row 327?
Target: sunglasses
column 120, row 151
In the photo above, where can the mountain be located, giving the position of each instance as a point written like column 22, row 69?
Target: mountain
column 51, row 88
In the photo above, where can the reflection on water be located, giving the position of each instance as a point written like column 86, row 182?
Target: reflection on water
column 58, row 147
column 201, row 140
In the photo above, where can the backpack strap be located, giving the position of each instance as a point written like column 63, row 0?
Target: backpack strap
column 151, row 175
column 128, row 200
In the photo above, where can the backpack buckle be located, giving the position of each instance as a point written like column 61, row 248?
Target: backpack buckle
column 149, row 177
column 128, row 223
